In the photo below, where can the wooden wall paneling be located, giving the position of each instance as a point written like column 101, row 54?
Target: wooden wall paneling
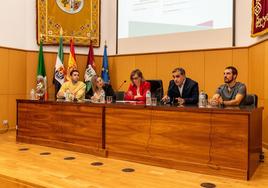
column 165, row 65
column 215, row 63
column 4, row 78
column 241, row 62
column 3, row 107
column 256, row 69
column 17, row 72
column 148, row 65
column 194, row 65
column 122, row 67
column 31, row 67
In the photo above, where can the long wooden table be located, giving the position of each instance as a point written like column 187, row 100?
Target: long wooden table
column 217, row 141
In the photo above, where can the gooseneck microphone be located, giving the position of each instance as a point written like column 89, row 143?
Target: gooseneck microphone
column 121, row 85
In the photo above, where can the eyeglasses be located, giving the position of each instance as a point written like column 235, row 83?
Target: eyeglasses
column 135, row 78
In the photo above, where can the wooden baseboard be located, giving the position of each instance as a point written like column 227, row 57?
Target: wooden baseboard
column 63, row 145
column 265, row 145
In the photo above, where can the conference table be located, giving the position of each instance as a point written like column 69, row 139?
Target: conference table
column 221, row 141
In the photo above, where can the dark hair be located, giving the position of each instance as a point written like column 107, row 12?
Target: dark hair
column 234, row 70
column 179, row 69
column 74, row 70
column 138, row 72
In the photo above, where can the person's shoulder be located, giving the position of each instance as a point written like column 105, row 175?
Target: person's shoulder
column 191, row 81
column 66, row 83
column 240, row 84
column 222, row 86
column 145, row 83
column 81, row 83
column 171, row 82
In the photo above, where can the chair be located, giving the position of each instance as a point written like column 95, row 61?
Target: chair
column 251, row 99
column 156, row 89
column 119, row 95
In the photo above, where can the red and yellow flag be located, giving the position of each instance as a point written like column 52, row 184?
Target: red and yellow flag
column 72, row 65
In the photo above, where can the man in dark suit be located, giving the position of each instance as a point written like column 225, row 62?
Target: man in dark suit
column 181, row 90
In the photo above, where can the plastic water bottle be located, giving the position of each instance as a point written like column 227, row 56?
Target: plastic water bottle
column 32, row 94
column 148, row 98
column 67, row 95
column 202, row 102
column 102, row 96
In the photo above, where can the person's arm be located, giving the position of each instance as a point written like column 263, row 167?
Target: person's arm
column 234, row 102
column 62, row 90
column 147, row 86
column 195, row 95
column 216, row 98
column 169, row 93
column 80, row 93
column 238, row 98
column 129, row 94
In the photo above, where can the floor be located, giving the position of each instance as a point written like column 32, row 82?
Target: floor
column 22, row 164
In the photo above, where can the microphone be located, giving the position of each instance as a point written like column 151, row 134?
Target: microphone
column 121, row 85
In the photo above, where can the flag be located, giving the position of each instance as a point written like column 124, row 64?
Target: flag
column 105, row 67
column 59, row 74
column 41, row 84
column 90, row 69
column 72, row 60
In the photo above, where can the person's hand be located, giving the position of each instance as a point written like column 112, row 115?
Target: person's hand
column 137, row 96
column 165, row 99
column 216, row 101
column 181, row 101
column 60, row 94
column 220, row 100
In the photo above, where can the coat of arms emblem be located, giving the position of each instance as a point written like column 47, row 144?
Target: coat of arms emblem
column 70, row 6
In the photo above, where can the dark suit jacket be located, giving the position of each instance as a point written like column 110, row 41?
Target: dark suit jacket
column 190, row 92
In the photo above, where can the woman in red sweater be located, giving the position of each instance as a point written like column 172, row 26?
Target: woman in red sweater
column 138, row 88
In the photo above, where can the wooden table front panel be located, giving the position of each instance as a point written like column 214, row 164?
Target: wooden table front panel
column 211, row 143
column 69, row 126
column 127, row 131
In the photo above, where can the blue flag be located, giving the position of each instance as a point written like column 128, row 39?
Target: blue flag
column 105, row 67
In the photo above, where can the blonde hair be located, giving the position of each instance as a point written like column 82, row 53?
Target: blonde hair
column 94, row 82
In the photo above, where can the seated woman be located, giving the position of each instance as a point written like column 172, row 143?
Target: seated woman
column 101, row 90
column 138, row 88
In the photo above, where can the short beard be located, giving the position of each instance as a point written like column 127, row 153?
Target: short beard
column 229, row 81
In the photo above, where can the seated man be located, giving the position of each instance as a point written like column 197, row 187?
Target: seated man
column 74, row 87
column 181, row 90
column 232, row 92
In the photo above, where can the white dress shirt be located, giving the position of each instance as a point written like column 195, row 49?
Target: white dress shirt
column 181, row 88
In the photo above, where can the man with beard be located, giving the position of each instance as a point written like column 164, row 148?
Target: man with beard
column 73, row 89
column 232, row 93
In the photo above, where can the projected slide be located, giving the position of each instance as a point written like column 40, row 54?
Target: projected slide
column 158, row 17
